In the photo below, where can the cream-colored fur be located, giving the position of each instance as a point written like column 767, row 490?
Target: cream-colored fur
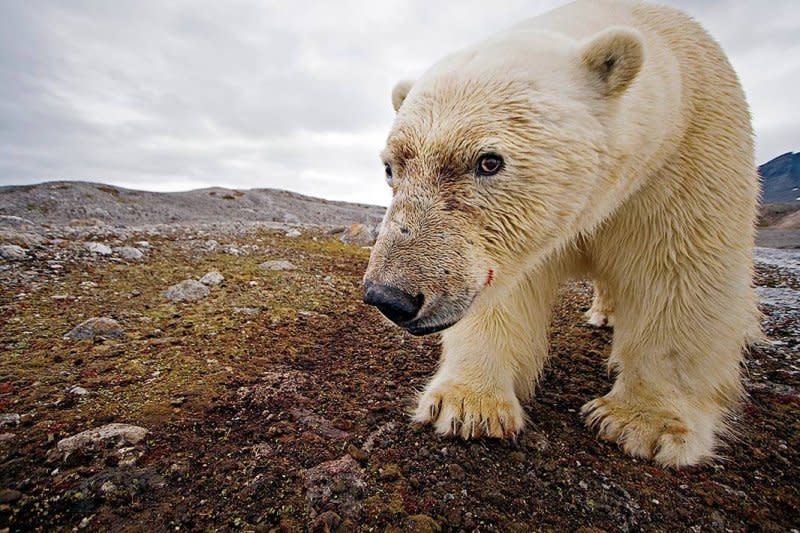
column 628, row 159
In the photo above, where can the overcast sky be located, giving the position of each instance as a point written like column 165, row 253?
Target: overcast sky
column 173, row 95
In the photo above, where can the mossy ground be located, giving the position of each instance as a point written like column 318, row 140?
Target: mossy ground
column 238, row 405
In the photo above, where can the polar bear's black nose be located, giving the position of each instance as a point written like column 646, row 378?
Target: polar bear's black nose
column 395, row 304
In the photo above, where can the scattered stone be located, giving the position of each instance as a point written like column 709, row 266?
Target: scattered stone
column 88, row 285
column 359, row 235
column 9, row 495
column 294, row 233
column 247, row 311
column 96, row 327
column 11, row 220
column 130, row 253
column 142, row 244
column 340, row 481
column 211, row 245
column 78, row 391
column 108, row 488
column 9, row 419
column 12, row 252
column 97, row 248
column 6, row 437
column 357, row 453
column 277, row 265
column 317, row 424
column 212, row 278
column 187, row 290
column 117, row 434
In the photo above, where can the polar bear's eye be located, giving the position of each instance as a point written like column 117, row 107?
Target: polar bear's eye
column 489, row 165
column 388, row 169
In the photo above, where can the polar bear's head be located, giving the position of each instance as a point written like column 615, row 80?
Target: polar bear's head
column 494, row 154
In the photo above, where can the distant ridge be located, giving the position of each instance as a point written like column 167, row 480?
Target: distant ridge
column 781, row 179
column 59, row 202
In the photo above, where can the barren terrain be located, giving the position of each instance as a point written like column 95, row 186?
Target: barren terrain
column 277, row 400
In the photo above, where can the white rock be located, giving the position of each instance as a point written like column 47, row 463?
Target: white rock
column 12, row 252
column 119, row 434
column 129, row 252
column 294, row 233
column 98, row 248
column 187, row 290
column 142, row 244
column 277, row 265
column 212, row 278
column 78, row 391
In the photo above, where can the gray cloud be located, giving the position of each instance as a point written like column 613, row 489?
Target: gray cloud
column 294, row 95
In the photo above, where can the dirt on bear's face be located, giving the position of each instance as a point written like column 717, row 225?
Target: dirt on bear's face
column 454, row 228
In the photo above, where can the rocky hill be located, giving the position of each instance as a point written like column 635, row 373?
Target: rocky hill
column 781, row 179
column 81, row 202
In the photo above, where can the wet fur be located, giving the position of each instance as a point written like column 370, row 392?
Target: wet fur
column 641, row 178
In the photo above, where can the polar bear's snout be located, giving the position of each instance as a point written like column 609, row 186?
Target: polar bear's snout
column 396, row 304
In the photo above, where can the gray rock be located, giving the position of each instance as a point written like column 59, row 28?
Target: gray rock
column 91, row 439
column 211, row 245
column 187, row 290
column 247, row 311
column 129, row 252
column 9, row 419
column 12, row 252
column 359, row 235
column 142, row 244
column 97, row 248
column 11, row 220
column 340, row 481
column 212, row 278
column 294, row 233
column 277, row 265
column 96, row 327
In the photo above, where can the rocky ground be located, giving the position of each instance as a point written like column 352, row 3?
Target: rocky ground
column 231, row 379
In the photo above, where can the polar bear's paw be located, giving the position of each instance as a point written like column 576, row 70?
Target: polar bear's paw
column 598, row 318
column 655, row 435
column 456, row 409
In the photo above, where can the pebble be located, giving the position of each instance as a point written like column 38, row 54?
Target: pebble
column 9, row 419
column 12, row 252
column 456, row 472
column 277, row 265
column 97, row 248
column 78, row 391
column 357, row 453
column 187, row 290
column 212, row 278
column 96, row 327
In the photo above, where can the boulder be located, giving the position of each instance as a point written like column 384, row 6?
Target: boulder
column 12, row 252
column 187, row 290
column 212, row 278
column 96, row 327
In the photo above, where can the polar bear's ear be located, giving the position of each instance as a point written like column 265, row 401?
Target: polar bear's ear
column 400, row 92
column 615, row 57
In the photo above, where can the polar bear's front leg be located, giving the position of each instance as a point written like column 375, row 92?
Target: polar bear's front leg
column 490, row 361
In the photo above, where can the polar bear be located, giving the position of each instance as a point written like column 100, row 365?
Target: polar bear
column 606, row 139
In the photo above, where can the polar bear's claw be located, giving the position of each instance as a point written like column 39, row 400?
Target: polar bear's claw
column 660, row 436
column 456, row 410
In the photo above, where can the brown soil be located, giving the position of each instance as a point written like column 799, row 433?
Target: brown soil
column 241, row 408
